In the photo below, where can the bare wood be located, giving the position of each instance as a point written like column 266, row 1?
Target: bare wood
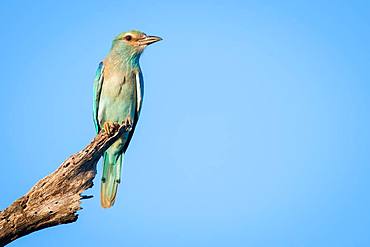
column 55, row 199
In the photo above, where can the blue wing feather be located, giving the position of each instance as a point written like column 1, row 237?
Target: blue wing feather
column 98, row 82
column 140, row 95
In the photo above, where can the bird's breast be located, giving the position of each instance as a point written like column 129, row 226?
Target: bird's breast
column 114, row 85
column 118, row 97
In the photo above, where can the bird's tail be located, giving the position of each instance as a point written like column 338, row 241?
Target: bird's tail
column 110, row 179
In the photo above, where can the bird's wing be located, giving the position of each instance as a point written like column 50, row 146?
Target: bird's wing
column 139, row 91
column 139, row 84
column 98, row 82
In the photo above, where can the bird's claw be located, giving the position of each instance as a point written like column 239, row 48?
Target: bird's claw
column 128, row 124
column 109, row 127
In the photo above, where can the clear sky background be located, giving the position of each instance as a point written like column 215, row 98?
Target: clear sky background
column 254, row 129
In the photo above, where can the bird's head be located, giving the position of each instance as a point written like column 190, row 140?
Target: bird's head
column 133, row 42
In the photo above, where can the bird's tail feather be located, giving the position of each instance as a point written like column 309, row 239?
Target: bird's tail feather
column 111, row 178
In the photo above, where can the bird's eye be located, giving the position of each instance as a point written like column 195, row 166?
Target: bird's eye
column 128, row 37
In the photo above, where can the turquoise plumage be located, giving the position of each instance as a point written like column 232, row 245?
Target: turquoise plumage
column 118, row 95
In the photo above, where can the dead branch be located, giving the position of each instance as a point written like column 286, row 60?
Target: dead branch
column 56, row 198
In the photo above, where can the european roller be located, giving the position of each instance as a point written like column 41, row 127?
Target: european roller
column 118, row 96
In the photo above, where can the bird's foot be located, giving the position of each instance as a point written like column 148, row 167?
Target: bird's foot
column 109, row 127
column 128, row 124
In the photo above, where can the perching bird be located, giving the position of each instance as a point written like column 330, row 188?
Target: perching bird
column 118, row 95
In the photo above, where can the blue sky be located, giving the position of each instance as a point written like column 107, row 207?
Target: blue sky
column 254, row 129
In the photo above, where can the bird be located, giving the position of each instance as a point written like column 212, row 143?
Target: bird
column 117, row 99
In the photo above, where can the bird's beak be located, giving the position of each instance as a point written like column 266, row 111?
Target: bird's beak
column 150, row 40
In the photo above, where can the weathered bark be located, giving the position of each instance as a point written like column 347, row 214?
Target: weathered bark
column 55, row 199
